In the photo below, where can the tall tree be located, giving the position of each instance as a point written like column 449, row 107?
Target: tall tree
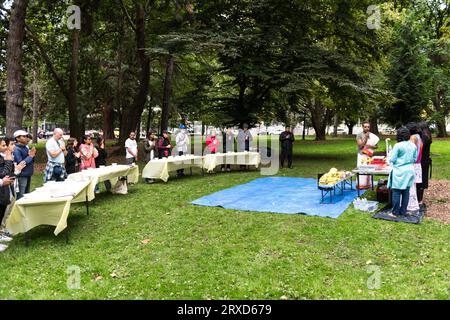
column 167, row 93
column 15, row 90
column 131, row 116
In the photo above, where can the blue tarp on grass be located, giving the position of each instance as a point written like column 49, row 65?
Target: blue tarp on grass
column 279, row 195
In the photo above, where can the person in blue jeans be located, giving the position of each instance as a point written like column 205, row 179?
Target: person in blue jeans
column 401, row 179
column 23, row 154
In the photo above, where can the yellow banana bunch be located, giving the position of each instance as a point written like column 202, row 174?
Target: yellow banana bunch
column 332, row 177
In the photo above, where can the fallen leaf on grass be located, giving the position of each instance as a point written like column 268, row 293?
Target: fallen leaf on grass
column 146, row 241
column 98, row 277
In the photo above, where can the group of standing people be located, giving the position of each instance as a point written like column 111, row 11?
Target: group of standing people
column 16, row 169
column 64, row 160
column 162, row 147
column 411, row 162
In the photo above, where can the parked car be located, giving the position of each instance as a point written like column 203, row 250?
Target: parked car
column 275, row 131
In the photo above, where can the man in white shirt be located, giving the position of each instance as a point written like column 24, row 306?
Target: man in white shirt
column 56, row 152
column 366, row 142
column 182, row 141
column 131, row 149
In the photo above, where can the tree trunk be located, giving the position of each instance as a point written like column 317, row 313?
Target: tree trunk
column 350, row 127
column 131, row 116
column 167, row 93
column 320, row 116
column 441, row 128
column 14, row 54
column 440, row 122
column 35, row 107
column 108, row 119
column 304, row 126
column 119, row 85
column 374, row 125
column 74, row 120
column 149, row 118
column 335, row 126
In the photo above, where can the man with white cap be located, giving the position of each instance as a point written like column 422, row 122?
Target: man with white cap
column 23, row 153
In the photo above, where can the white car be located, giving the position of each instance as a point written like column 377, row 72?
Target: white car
column 275, row 132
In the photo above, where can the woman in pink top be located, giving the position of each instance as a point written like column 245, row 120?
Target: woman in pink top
column 212, row 143
column 88, row 153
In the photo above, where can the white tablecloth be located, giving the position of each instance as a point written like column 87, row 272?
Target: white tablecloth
column 111, row 173
column 160, row 168
column 47, row 205
column 50, row 204
column 211, row 161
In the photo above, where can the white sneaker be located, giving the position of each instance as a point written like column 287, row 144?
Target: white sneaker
column 5, row 238
column 3, row 247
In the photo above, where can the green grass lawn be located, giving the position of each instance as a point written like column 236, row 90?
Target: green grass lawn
column 210, row 253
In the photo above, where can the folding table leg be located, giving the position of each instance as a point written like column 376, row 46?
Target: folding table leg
column 27, row 239
column 87, row 204
column 66, row 233
column 358, row 184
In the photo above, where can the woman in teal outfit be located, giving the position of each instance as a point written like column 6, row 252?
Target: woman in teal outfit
column 402, row 159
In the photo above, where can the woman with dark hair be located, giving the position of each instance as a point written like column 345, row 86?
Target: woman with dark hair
column 150, row 150
column 8, row 172
column 7, row 183
column 88, row 153
column 402, row 176
column 164, row 145
column 101, row 161
column 415, row 138
column 73, row 156
column 427, row 140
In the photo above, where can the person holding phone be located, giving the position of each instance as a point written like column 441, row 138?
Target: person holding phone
column 8, row 172
column 23, row 153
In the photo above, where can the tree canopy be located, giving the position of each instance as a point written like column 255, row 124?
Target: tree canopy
column 227, row 62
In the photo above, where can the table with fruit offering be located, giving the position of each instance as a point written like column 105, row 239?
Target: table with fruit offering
column 375, row 166
column 335, row 179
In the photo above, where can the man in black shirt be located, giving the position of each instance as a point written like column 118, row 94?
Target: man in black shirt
column 287, row 141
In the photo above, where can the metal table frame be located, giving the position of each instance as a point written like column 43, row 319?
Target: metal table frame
column 331, row 189
column 371, row 174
